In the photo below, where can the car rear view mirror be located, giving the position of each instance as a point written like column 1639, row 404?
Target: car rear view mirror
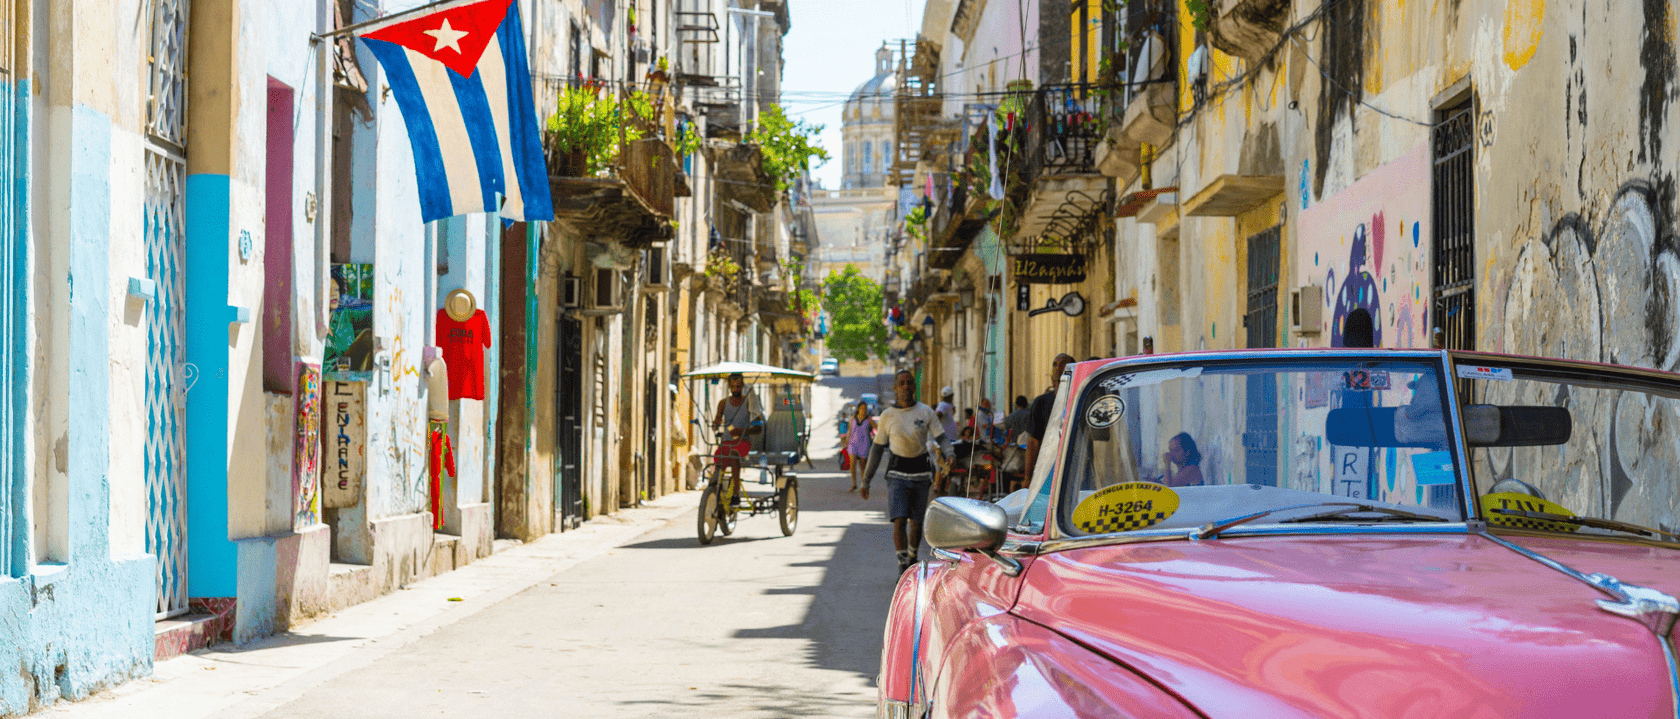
column 1382, row 427
column 959, row 524
column 1487, row 425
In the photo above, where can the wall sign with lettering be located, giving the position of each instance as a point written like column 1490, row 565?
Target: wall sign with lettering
column 1049, row 269
column 346, row 443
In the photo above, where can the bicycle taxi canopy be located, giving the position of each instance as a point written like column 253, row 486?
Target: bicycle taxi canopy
column 785, row 434
column 751, row 372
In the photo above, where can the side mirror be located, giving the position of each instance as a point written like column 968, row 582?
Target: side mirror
column 959, row 524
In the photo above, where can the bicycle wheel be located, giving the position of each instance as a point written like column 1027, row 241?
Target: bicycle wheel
column 706, row 517
column 787, row 508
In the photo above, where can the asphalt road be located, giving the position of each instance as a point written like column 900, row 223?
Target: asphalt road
column 754, row 625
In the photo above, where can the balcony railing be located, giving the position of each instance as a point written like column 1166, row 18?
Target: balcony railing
column 1064, row 131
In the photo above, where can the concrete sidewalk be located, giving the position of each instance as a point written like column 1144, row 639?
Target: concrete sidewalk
column 248, row 681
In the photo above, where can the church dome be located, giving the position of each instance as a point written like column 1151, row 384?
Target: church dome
column 884, row 83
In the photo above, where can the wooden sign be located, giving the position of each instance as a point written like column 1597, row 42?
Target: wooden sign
column 1049, row 269
column 346, row 443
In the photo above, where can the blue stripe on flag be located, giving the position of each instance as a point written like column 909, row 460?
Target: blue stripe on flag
column 422, row 136
column 481, row 131
column 528, row 160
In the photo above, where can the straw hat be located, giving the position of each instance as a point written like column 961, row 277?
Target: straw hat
column 460, row 305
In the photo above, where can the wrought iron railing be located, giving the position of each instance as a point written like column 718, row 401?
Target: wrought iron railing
column 1064, row 131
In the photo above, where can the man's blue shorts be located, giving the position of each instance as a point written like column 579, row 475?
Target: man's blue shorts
column 907, row 498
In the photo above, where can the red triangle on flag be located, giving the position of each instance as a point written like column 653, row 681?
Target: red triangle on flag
column 454, row 36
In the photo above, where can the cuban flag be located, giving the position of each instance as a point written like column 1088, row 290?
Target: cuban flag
column 460, row 78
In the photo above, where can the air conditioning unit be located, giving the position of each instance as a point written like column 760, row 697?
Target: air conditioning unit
column 606, row 290
column 1306, row 310
column 571, row 292
column 658, row 270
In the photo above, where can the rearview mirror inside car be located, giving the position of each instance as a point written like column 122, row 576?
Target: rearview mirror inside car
column 1487, row 425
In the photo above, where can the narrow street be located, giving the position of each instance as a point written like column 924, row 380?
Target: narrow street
column 755, row 625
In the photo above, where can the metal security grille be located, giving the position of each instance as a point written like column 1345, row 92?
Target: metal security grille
column 166, row 101
column 166, row 379
column 1260, row 438
column 1455, row 230
column 1264, row 260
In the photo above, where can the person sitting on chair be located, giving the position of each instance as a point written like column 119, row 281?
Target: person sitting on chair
column 963, row 448
column 739, row 416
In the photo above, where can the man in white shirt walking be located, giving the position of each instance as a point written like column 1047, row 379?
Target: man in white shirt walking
column 903, row 433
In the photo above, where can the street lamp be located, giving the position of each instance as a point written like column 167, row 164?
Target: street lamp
column 927, row 326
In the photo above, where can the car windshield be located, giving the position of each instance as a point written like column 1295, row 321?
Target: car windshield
column 1593, row 445
column 1328, row 440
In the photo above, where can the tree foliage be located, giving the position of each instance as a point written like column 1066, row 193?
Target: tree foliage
column 853, row 304
column 788, row 145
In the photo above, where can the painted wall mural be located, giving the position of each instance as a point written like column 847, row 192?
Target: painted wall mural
column 1368, row 247
column 306, row 478
column 349, row 350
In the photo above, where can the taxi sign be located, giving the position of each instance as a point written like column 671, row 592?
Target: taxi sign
column 1518, row 502
column 1125, row 507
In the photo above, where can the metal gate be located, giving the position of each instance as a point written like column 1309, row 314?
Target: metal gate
column 1260, row 438
column 569, row 428
column 1455, row 230
column 166, row 375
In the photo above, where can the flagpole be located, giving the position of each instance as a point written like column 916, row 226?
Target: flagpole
column 427, row 8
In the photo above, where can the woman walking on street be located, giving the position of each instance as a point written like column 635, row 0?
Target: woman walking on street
column 859, row 440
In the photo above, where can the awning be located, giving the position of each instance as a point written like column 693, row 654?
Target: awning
column 751, row 372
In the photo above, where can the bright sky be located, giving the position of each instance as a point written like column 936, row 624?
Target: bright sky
column 829, row 52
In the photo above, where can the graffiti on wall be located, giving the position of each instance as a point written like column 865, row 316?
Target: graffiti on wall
column 306, row 483
column 1602, row 289
column 1368, row 247
column 349, row 350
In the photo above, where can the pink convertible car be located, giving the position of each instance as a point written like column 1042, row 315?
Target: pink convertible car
column 1313, row 533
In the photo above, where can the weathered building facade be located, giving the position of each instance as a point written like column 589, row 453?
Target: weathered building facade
column 1494, row 176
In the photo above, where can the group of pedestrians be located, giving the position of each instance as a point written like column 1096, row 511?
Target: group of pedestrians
column 906, row 435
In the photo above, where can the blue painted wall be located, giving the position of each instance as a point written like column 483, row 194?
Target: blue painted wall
column 212, row 558
column 71, row 629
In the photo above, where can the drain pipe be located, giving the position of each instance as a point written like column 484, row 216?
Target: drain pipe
column 315, row 207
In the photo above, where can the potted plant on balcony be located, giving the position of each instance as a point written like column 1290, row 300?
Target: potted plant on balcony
column 582, row 135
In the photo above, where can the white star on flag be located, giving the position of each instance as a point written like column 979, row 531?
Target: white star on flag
column 447, row 36
column 471, row 116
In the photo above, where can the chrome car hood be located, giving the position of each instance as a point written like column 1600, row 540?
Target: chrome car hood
column 1349, row 625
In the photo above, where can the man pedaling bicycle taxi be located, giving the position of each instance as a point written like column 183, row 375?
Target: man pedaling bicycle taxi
column 739, row 416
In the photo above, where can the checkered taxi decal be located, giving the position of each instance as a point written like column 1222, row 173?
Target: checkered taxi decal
column 1125, row 507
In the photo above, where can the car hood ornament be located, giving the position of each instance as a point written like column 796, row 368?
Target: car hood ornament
column 1650, row 607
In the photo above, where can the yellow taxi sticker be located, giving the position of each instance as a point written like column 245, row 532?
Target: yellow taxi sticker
column 1519, row 502
column 1124, row 507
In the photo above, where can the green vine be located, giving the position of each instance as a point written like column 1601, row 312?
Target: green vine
column 719, row 264
column 1201, row 14
column 915, row 223
column 788, row 145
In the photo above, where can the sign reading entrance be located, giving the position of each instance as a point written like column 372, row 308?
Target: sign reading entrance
column 1050, row 269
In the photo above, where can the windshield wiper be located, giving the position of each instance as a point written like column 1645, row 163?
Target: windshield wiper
column 1212, row 529
column 1594, row 522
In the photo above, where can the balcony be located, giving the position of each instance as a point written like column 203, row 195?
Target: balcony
column 740, row 174
column 1248, row 29
column 632, row 205
column 954, row 225
column 1063, row 132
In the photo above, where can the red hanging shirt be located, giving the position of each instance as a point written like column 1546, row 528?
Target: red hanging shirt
column 463, row 346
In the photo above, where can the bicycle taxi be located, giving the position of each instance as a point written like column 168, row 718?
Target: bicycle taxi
column 768, row 480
